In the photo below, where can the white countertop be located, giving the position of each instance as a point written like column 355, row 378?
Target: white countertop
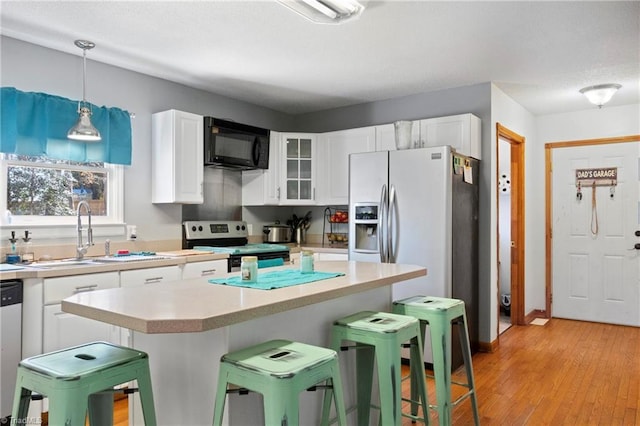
column 195, row 305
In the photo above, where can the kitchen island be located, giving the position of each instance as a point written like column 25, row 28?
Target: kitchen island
column 186, row 326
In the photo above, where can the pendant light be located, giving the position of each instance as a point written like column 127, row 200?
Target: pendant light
column 600, row 94
column 83, row 129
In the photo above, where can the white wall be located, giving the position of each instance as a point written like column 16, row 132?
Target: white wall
column 513, row 116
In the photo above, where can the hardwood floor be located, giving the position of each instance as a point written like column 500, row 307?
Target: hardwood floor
column 562, row 373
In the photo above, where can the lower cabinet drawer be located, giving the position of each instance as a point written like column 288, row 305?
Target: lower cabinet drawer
column 56, row 289
column 139, row 277
column 209, row 268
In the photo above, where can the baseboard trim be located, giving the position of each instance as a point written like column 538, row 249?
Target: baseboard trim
column 536, row 313
column 488, row 346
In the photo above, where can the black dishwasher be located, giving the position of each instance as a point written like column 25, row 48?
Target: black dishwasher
column 10, row 341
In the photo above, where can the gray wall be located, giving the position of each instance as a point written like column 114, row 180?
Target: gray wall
column 29, row 67
column 475, row 99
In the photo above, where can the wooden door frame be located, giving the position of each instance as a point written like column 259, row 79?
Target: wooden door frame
column 516, row 142
column 548, row 200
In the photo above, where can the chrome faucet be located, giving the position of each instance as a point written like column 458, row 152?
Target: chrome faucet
column 81, row 248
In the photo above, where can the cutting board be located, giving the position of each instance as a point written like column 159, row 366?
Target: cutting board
column 179, row 253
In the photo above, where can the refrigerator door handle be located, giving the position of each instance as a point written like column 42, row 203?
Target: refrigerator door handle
column 391, row 257
column 382, row 224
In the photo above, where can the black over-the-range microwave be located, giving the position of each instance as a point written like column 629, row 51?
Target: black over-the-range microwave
column 231, row 145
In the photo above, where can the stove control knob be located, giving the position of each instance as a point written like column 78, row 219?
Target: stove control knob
column 237, row 227
column 200, row 228
column 243, row 227
column 193, row 228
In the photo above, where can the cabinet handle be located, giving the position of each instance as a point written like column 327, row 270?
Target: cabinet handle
column 153, row 280
column 208, row 272
column 314, row 194
column 278, row 193
column 59, row 314
column 85, row 288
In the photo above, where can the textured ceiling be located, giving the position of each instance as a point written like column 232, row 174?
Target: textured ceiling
column 539, row 53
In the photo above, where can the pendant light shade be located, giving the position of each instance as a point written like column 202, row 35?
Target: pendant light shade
column 600, row 94
column 83, row 130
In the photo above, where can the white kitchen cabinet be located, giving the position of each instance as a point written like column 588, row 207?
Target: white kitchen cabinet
column 60, row 329
column 333, row 149
column 149, row 276
column 298, row 169
column 462, row 132
column 177, row 157
column 385, row 137
column 210, row 268
column 262, row 187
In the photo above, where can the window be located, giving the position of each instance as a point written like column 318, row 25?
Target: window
column 45, row 191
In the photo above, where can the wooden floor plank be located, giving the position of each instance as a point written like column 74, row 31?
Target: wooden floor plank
column 563, row 373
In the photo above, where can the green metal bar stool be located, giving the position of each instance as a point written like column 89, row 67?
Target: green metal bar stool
column 70, row 376
column 280, row 370
column 379, row 337
column 440, row 313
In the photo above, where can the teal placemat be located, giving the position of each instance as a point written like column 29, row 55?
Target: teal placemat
column 277, row 279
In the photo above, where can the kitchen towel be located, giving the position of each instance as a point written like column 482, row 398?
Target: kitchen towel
column 277, row 279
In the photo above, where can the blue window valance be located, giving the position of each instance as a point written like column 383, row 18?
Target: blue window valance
column 37, row 124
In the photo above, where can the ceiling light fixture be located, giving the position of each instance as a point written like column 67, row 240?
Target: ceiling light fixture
column 83, row 129
column 325, row 11
column 600, row 94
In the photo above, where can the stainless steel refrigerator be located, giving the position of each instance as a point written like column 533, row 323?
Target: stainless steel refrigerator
column 419, row 206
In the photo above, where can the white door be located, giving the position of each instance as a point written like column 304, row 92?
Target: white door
column 595, row 266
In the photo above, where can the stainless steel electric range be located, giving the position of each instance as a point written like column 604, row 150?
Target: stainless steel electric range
column 228, row 237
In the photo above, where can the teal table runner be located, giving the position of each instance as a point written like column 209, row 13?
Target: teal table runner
column 277, row 279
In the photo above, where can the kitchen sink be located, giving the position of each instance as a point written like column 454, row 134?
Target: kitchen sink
column 65, row 263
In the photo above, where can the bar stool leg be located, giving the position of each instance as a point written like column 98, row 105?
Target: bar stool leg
column 101, row 409
column 418, row 380
column 466, row 353
column 221, row 396
column 146, row 398
column 441, row 339
column 364, row 378
column 70, row 409
column 21, row 400
column 390, row 384
column 334, row 392
column 281, row 411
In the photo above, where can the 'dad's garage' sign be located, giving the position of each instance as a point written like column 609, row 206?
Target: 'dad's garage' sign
column 604, row 176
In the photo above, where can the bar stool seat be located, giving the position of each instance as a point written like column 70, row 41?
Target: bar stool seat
column 379, row 337
column 440, row 313
column 69, row 377
column 280, row 370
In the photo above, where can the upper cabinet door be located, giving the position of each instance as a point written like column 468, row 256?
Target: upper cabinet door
column 298, row 169
column 334, row 149
column 262, row 187
column 177, row 157
column 462, row 132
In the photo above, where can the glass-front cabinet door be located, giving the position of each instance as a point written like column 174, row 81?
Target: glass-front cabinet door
column 299, row 185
